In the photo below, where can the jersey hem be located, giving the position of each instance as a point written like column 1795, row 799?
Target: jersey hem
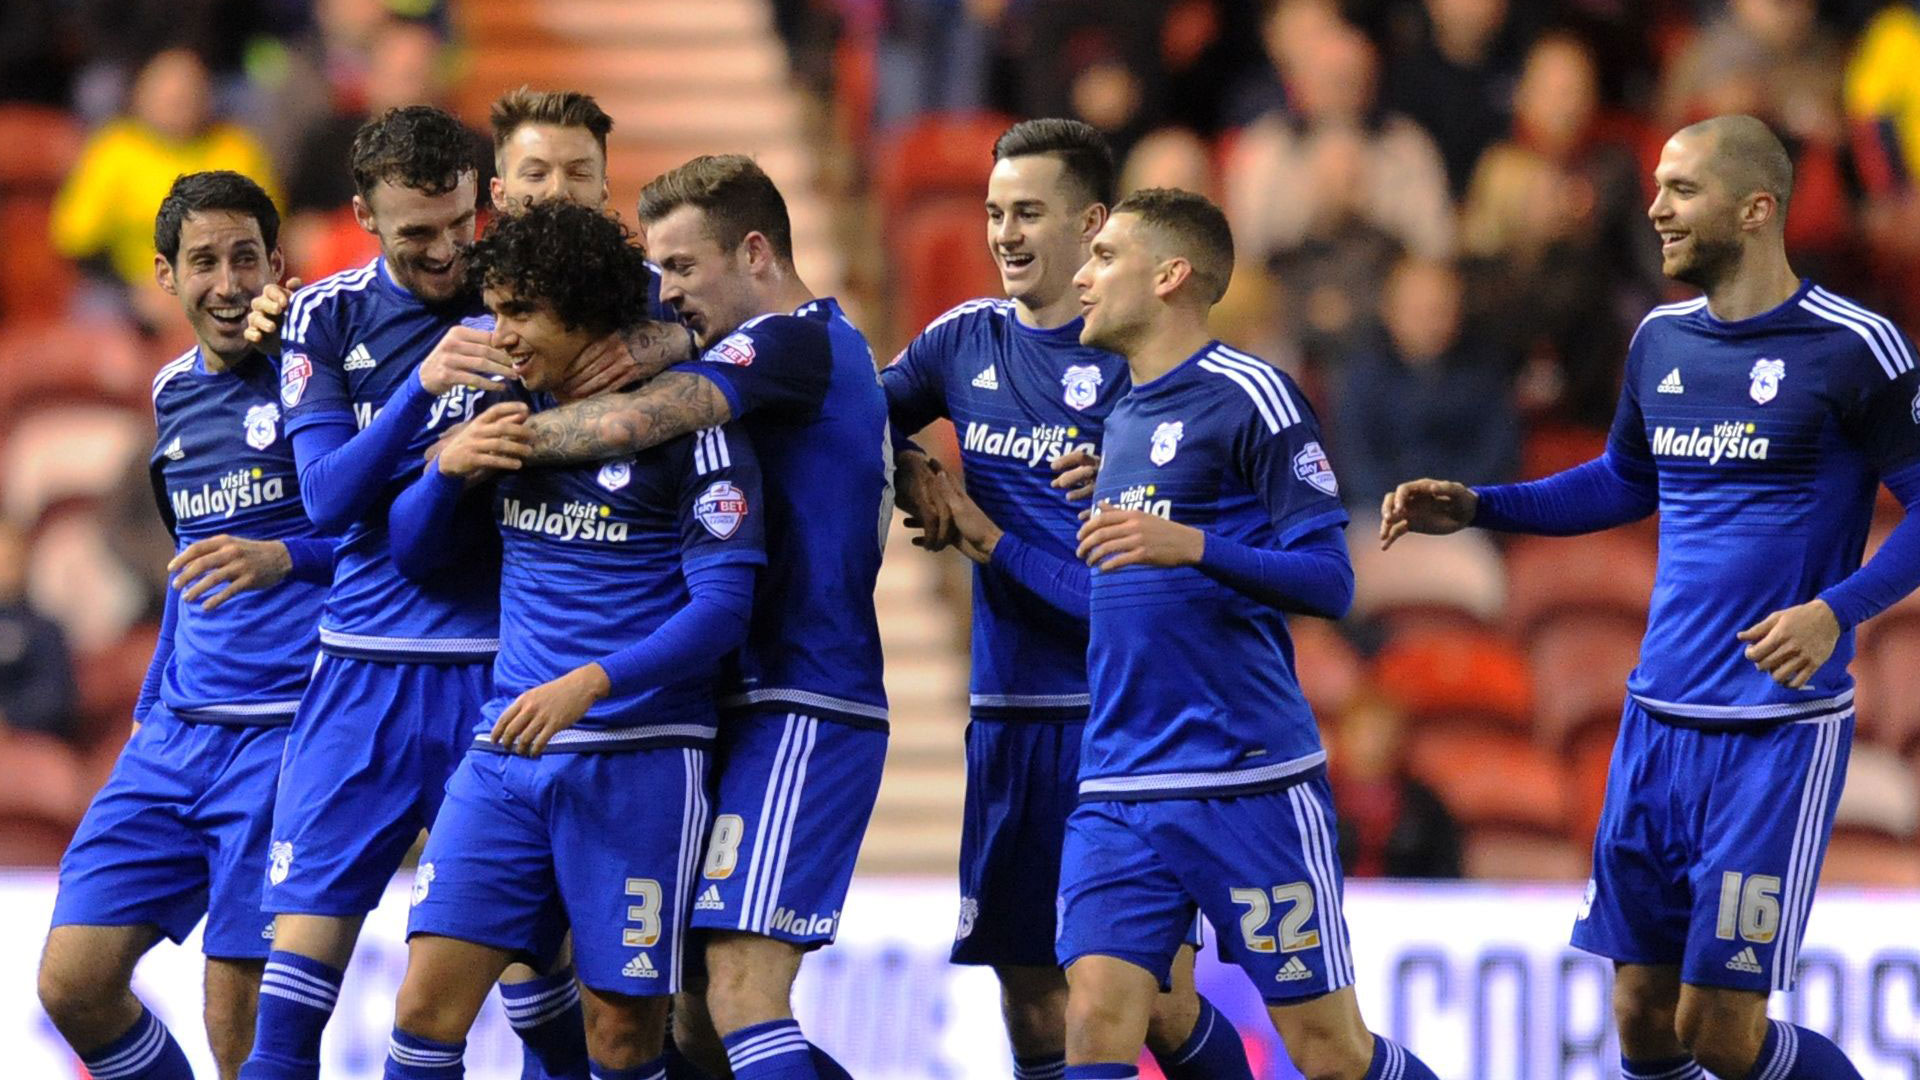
column 822, row 706
column 1164, row 786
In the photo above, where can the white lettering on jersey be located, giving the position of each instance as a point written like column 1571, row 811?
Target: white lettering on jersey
column 573, row 521
column 238, row 490
column 1036, row 446
column 1732, row 440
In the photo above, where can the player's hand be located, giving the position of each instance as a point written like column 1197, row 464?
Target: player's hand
column 497, row 440
column 917, row 492
column 266, row 313
column 536, row 716
column 603, row 365
column 974, row 532
column 465, row 357
column 230, row 564
column 1436, row 507
column 1076, row 472
column 1113, row 538
column 1792, row 643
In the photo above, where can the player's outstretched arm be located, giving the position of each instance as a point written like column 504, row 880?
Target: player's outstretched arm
column 1433, row 507
column 612, row 425
column 627, row 356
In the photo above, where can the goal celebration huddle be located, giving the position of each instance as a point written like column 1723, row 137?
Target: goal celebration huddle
column 561, row 545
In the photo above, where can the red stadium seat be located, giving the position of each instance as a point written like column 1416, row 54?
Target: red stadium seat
column 939, row 250
column 42, row 800
column 938, row 154
column 68, row 451
column 1456, row 680
column 1493, row 778
column 1428, row 583
column 1329, row 669
column 1547, row 576
column 1590, row 759
column 50, row 363
column 1503, row 855
column 45, row 141
column 1580, row 664
column 109, row 681
column 1856, row 858
column 1548, row 450
column 74, row 577
column 1888, row 670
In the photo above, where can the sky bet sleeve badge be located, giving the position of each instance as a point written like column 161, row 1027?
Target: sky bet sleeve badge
column 721, row 508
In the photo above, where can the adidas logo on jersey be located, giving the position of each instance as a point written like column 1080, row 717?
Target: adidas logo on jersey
column 1745, row 961
column 640, row 968
column 987, row 380
column 359, row 359
column 174, row 452
column 710, row 900
column 1671, row 384
column 1293, row 971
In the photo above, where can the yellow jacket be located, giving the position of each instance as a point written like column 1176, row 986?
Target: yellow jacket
column 1883, row 87
column 109, row 200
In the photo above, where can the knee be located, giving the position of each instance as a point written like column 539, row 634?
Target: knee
column 1172, row 1021
column 74, row 996
column 1724, row 1042
column 629, row 1036
column 1035, row 1006
column 746, row 985
column 419, row 1010
column 1645, row 1015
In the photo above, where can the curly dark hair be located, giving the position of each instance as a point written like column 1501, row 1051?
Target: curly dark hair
column 576, row 260
column 415, row 146
column 218, row 189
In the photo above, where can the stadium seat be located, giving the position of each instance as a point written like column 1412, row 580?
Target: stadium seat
column 1579, row 664
column 1888, row 671
column 1589, row 761
column 939, row 253
column 1548, row 576
column 1426, row 582
column 1456, row 680
column 109, row 678
column 42, row 800
column 73, row 576
column 1493, row 779
column 48, row 363
column 46, row 143
column 55, row 454
column 36, row 281
column 1549, row 449
column 1521, row 856
column 1329, row 669
column 1880, row 796
column 1870, row 860
column 938, row 154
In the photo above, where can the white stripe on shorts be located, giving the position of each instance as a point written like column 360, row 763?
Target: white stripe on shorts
column 1807, row 837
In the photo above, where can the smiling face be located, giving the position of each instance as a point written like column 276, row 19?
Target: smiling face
column 1117, row 285
column 708, row 287
column 1035, row 221
column 1696, row 212
column 543, row 347
column 222, row 264
column 548, row 161
column 423, row 237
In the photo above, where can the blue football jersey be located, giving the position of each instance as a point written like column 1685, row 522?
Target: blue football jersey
column 222, row 464
column 805, row 388
column 348, row 342
column 594, row 559
column 1767, row 438
column 1194, row 693
column 1018, row 397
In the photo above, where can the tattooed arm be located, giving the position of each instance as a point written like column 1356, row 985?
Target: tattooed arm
column 624, row 356
column 610, row 425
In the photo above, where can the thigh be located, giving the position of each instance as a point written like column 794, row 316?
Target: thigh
column 1265, row 869
column 1767, row 815
column 1638, row 902
column 236, row 817
column 365, row 769
column 1020, row 788
column 795, row 794
column 627, row 831
column 94, row 959
column 1117, row 897
column 486, row 876
column 137, row 858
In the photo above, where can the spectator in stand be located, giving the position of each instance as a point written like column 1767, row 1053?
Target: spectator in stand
column 1391, row 825
column 1428, row 399
column 1556, row 239
column 104, row 214
column 1883, row 112
column 1172, row 157
column 1328, row 193
column 404, row 67
column 1452, row 72
column 36, row 676
column 933, row 55
column 1098, row 61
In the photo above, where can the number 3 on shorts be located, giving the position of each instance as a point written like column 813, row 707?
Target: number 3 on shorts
column 1754, row 908
column 1253, row 921
column 723, row 846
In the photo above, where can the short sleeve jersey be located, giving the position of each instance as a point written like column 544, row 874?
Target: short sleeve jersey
column 594, row 558
column 1767, row 438
column 805, row 390
column 1018, row 397
column 349, row 341
column 1194, row 691
column 222, row 464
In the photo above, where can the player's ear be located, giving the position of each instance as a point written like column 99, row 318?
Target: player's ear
column 758, row 251
column 163, row 275
column 276, row 264
column 496, row 193
column 1171, row 274
column 1091, row 220
column 363, row 215
column 1759, row 209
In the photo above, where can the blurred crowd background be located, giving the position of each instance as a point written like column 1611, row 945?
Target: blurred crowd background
column 1439, row 208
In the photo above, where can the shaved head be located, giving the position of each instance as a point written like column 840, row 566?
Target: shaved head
column 1747, row 156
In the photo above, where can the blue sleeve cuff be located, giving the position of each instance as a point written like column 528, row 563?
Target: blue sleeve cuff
column 312, row 560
